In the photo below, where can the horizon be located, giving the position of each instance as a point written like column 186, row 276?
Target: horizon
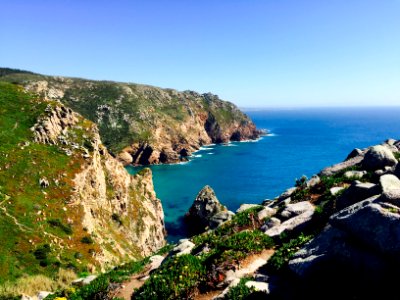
column 290, row 54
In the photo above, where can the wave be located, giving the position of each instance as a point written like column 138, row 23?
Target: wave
column 197, row 155
column 205, row 148
column 210, row 153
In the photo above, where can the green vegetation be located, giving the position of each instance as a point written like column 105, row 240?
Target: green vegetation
column 57, row 223
column 130, row 113
column 241, row 291
column 283, row 254
column 178, row 278
column 397, row 155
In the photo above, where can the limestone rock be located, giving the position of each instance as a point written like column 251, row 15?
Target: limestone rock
column 354, row 153
column 389, row 182
column 313, row 181
column 270, row 223
column 204, row 207
column 296, row 209
column 43, row 294
column 184, row 247
column 125, row 158
column 220, row 218
column 335, row 190
column 378, row 157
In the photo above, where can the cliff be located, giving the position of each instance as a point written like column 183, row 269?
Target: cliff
column 333, row 236
column 142, row 124
column 65, row 202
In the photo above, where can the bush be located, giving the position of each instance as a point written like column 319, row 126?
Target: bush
column 178, row 278
column 281, row 257
column 57, row 223
column 87, row 240
column 241, row 291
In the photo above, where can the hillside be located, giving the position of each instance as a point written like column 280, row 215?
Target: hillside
column 143, row 124
column 334, row 236
column 65, row 202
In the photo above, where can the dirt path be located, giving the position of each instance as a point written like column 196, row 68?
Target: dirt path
column 247, row 267
column 125, row 292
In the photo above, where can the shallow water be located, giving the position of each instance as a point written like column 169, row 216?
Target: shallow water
column 302, row 141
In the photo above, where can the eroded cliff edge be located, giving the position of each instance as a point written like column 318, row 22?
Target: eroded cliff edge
column 143, row 124
column 65, row 202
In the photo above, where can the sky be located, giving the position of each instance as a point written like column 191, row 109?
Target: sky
column 254, row 53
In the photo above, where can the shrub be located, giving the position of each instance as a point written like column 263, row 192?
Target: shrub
column 241, row 291
column 281, row 257
column 302, row 182
column 87, row 240
column 178, row 278
column 57, row 223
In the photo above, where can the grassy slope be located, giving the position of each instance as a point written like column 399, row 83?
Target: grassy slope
column 25, row 208
column 127, row 113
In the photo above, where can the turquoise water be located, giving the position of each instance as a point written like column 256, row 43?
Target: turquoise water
column 302, row 141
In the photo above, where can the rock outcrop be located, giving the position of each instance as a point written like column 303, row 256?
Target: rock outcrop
column 142, row 124
column 206, row 211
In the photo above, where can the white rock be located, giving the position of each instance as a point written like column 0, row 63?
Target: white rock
column 336, row 190
column 43, row 294
column 184, row 248
column 155, row 261
column 244, row 207
column 266, row 212
column 355, row 174
column 259, row 286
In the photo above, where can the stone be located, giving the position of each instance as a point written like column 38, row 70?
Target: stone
column 43, row 182
column 357, row 192
column 296, row 209
column 378, row 157
column 335, row 190
column 313, row 181
column 355, row 174
column 125, row 157
column 244, row 207
column 332, row 170
column 43, row 294
column 270, row 223
column 258, row 286
column 204, row 207
column 184, row 247
column 374, row 224
column 266, row 212
column 286, row 194
column 354, row 153
column 155, row 261
column 389, row 182
column 220, row 218
column 296, row 223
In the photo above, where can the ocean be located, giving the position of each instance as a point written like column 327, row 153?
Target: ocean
column 300, row 142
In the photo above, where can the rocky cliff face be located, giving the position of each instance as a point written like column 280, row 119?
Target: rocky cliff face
column 64, row 200
column 144, row 124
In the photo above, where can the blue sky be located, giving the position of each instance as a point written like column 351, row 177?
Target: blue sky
column 256, row 53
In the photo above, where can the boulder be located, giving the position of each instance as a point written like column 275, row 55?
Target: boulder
column 357, row 192
column 286, row 194
column 84, row 280
column 244, row 207
column 258, row 286
column 296, row 209
column 378, row 157
column 125, row 157
column 373, row 224
column 354, row 153
column 270, row 223
column 204, row 208
column 313, row 181
column 332, row 170
column 43, row 294
column 335, row 190
column 391, row 189
column 355, row 174
column 266, row 212
column 301, row 215
column 155, row 261
column 184, row 247
column 220, row 218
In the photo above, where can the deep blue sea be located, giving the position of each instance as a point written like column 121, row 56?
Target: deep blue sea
column 301, row 142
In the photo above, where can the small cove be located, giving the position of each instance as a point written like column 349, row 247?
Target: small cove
column 302, row 141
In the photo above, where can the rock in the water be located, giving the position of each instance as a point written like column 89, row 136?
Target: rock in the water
column 357, row 192
column 378, row 157
column 204, row 207
column 244, row 207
